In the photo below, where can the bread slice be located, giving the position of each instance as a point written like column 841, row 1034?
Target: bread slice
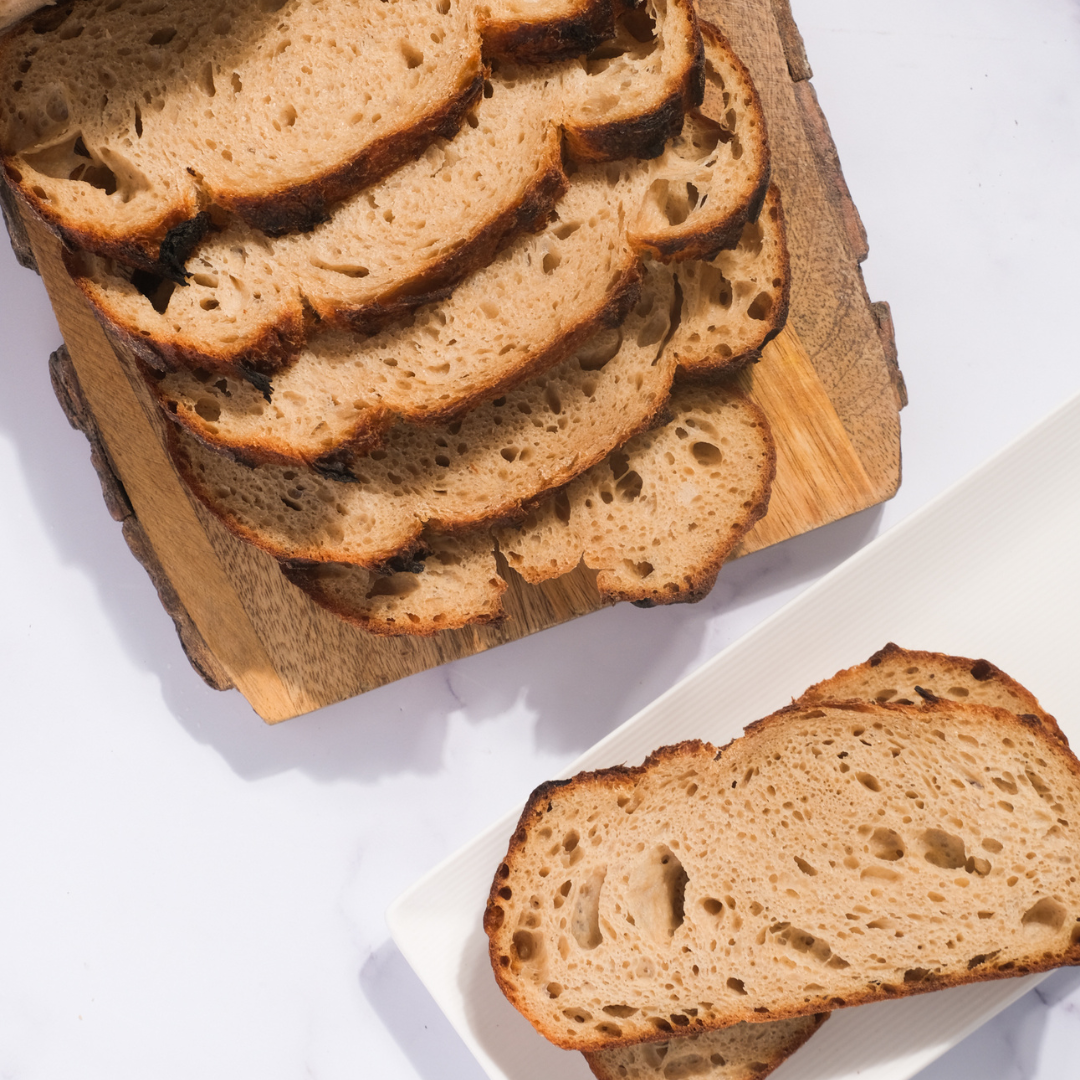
column 478, row 469
column 735, row 304
column 617, row 112
column 836, row 854
column 910, row 677
column 415, row 600
column 452, row 581
column 120, row 120
column 742, row 1052
column 658, row 517
column 393, row 247
column 732, row 125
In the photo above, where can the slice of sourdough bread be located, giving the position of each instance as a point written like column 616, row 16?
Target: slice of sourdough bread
column 415, row 600
column 658, row 517
column 910, row 677
column 388, row 249
column 545, row 33
column 836, row 854
column 121, row 119
column 742, row 1052
column 481, row 468
column 735, row 304
column 453, row 581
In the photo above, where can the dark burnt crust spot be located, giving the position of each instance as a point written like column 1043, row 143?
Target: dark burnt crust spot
column 983, row 670
column 303, row 206
column 925, row 694
column 554, row 40
column 178, row 245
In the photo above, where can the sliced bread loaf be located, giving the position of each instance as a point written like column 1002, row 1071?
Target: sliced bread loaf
column 388, row 249
column 658, row 517
column 477, row 469
column 120, row 119
column 742, row 1052
column 910, row 677
column 835, row 854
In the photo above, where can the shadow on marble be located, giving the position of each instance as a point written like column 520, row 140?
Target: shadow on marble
column 416, row 1023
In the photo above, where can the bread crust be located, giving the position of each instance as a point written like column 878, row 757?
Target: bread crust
column 980, row 670
column 578, row 31
column 540, row 803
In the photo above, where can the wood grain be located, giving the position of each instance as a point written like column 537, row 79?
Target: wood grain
column 829, row 385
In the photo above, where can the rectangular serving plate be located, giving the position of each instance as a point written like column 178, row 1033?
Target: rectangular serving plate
column 988, row 569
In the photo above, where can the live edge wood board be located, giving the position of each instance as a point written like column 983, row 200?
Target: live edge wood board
column 829, row 384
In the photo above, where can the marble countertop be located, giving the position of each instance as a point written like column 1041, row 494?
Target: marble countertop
column 189, row 892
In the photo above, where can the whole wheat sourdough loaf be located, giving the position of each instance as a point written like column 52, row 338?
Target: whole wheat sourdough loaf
column 121, row 120
column 396, row 245
column 477, row 469
column 688, row 536
column 328, row 402
column 837, row 853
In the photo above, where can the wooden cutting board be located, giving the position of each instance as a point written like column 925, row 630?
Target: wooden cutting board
column 829, row 384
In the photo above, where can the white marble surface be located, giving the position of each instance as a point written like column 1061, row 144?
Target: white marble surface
column 186, row 892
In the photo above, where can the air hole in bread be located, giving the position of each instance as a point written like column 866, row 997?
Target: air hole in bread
column 622, row 1012
column 943, row 849
column 805, row 867
column 706, row 453
column 585, row 920
column 629, row 488
column 760, row 307
column 886, row 844
column 657, row 892
column 160, row 37
column 868, row 781
column 551, row 261
column 526, row 945
column 1046, row 914
column 395, row 585
column 414, row 58
column 737, row 985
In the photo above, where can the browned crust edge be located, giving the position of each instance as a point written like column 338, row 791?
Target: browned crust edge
column 301, row 577
column 709, row 368
column 300, row 207
column 549, row 184
column 370, row 430
column 20, row 239
column 980, row 670
column 643, row 136
column 551, row 40
column 596, row 1059
column 704, row 577
column 539, row 802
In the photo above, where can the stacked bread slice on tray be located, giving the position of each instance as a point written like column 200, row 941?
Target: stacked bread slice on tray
column 423, row 280
column 903, row 826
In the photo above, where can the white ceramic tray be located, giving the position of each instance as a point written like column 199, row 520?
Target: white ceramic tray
column 988, row 569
